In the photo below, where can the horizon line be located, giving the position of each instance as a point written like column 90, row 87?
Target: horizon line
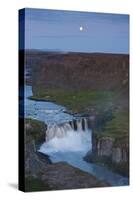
column 65, row 51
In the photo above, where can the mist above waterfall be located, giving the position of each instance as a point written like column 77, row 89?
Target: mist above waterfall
column 68, row 137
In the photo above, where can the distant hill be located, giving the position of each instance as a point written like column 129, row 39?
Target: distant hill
column 78, row 70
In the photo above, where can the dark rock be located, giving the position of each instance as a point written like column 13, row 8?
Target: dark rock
column 120, row 154
column 75, row 124
column 34, row 134
column 104, row 146
column 63, row 176
column 44, row 157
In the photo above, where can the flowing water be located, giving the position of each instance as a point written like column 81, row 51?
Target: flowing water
column 67, row 138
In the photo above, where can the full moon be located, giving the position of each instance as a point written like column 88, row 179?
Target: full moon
column 81, row 28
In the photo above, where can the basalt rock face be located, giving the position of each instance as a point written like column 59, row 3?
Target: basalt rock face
column 77, row 70
column 106, row 146
column 121, row 154
column 110, row 151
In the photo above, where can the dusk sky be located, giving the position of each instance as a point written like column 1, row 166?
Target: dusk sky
column 76, row 31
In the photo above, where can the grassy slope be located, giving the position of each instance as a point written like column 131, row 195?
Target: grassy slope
column 117, row 128
column 78, row 101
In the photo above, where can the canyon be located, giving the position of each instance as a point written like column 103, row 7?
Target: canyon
column 90, row 85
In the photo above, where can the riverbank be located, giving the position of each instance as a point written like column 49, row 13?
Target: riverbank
column 78, row 101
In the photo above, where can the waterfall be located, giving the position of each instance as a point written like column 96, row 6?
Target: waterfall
column 61, row 130
column 70, row 136
column 58, row 131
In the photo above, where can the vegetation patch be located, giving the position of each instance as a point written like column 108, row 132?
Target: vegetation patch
column 117, row 128
column 35, row 184
column 77, row 101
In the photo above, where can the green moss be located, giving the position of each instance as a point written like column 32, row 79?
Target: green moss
column 34, row 184
column 117, row 128
column 77, row 101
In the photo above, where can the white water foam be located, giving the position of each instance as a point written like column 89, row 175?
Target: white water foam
column 63, row 138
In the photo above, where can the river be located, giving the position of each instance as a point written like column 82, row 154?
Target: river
column 64, row 143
